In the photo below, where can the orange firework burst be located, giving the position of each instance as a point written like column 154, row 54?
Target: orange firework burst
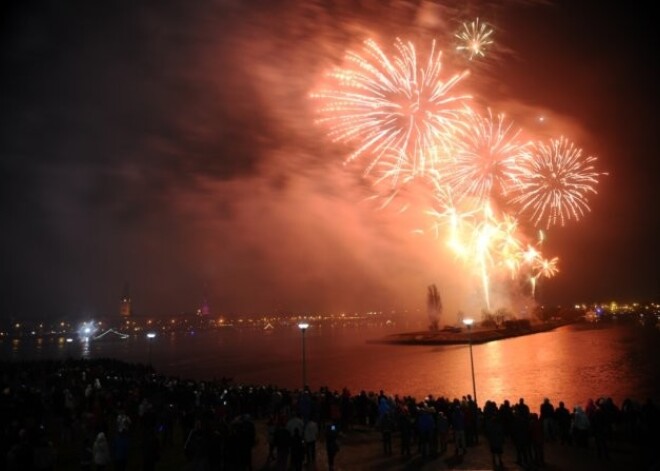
column 475, row 38
column 488, row 244
column 417, row 132
column 554, row 182
column 483, row 164
column 397, row 108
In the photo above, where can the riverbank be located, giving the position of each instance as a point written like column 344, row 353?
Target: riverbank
column 475, row 335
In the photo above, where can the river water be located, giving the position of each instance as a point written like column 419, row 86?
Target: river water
column 573, row 363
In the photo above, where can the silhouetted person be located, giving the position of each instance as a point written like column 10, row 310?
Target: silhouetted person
column 537, row 439
column 386, row 429
column 563, row 420
column 44, row 454
column 458, row 426
column 599, row 428
column 21, row 454
column 405, row 428
column 442, row 427
column 101, row 451
column 196, row 446
column 310, row 436
column 297, row 451
column 247, row 438
column 331, row 444
column 581, row 427
column 120, row 450
column 548, row 419
column 150, row 448
column 495, row 435
column 282, row 441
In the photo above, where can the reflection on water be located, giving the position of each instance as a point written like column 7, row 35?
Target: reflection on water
column 570, row 364
column 84, row 353
column 494, row 381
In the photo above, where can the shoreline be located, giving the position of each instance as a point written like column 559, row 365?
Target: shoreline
column 474, row 336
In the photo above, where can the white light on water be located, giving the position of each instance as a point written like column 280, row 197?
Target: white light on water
column 86, row 331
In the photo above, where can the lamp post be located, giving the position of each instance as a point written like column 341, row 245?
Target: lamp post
column 468, row 323
column 150, row 338
column 303, row 326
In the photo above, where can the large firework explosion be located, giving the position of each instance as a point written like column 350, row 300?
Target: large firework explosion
column 554, row 182
column 397, row 109
column 407, row 117
column 483, row 164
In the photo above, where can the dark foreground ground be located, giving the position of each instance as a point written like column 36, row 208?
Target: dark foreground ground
column 361, row 449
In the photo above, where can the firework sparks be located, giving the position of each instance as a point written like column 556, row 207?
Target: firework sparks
column 394, row 108
column 483, row 165
column 394, row 178
column 489, row 245
column 416, row 133
column 531, row 255
column 546, row 268
column 484, row 242
column 554, row 182
column 475, row 38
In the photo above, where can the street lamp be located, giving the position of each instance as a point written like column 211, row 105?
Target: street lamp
column 303, row 326
column 150, row 337
column 468, row 323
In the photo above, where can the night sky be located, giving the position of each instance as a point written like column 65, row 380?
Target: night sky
column 172, row 146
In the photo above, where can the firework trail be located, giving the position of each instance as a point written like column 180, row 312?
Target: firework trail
column 475, row 38
column 554, row 182
column 394, row 178
column 398, row 109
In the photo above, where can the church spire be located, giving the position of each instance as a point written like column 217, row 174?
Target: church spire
column 205, row 309
column 125, row 304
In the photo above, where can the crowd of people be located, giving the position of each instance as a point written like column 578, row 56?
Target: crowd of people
column 106, row 414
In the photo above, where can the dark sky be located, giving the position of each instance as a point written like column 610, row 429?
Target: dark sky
column 171, row 145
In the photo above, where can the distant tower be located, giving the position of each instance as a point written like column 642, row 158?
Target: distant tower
column 205, row 310
column 125, row 305
column 434, row 305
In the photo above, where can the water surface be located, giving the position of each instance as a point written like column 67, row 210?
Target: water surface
column 572, row 363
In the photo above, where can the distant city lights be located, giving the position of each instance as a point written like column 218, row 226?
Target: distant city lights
column 190, row 324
